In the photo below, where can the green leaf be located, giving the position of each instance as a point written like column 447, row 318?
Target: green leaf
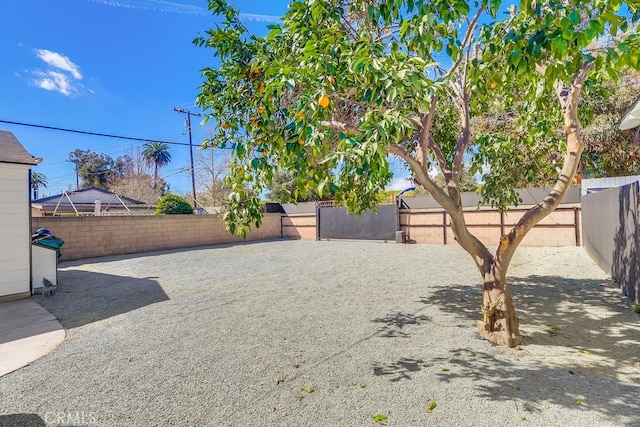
column 574, row 17
column 380, row 418
column 514, row 58
column 432, row 406
column 494, row 6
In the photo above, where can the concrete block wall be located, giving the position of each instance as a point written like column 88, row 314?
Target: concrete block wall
column 94, row 236
column 90, row 236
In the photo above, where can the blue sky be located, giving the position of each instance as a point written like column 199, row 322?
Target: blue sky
column 107, row 66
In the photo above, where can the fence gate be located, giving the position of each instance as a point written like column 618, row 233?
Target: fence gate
column 336, row 223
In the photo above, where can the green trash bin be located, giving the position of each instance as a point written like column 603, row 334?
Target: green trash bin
column 43, row 237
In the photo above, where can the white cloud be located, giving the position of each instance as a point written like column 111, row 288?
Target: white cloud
column 57, row 60
column 55, row 81
column 61, row 74
column 400, row 183
column 259, row 18
column 184, row 9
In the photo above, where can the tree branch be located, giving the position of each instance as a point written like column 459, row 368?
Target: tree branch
column 509, row 242
column 334, row 124
column 467, row 38
column 425, row 140
column 421, row 175
column 468, row 241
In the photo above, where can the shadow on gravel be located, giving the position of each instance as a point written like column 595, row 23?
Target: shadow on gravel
column 394, row 324
column 397, row 325
column 84, row 297
column 27, row 420
column 119, row 257
column 401, row 369
column 535, row 389
column 590, row 319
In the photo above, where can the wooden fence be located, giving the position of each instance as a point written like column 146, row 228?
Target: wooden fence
column 560, row 228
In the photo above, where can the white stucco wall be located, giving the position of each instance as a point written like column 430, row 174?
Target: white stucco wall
column 15, row 242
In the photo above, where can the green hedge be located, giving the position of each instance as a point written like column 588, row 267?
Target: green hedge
column 173, row 205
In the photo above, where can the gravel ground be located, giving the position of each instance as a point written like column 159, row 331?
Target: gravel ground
column 296, row 333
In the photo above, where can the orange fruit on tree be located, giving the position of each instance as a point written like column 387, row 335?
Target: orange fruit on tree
column 300, row 114
column 224, row 125
column 260, row 110
column 301, row 141
column 323, row 101
column 261, row 88
column 494, row 85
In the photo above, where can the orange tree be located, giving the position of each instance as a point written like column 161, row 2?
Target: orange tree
column 340, row 85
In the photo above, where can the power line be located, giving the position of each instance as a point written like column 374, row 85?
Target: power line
column 106, row 135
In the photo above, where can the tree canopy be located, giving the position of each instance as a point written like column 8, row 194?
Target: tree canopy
column 37, row 180
column 94, row 169
column 172, row 204
column 156, row 154
column 339, row 86
column 127, row 175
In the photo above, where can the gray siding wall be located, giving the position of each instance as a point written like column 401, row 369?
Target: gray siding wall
column 611, row 234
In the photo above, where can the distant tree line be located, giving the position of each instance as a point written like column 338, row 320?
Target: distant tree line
column 128, row 175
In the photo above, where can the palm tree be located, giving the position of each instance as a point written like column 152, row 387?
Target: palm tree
column 156, row 154
column 37, row 180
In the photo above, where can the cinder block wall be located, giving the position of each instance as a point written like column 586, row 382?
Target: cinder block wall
column 94, row 236
column 90, row 236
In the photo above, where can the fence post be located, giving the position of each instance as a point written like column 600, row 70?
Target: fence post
column 576, row 224
column 444, row 227
column 317, row 221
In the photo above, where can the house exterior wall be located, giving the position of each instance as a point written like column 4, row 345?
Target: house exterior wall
column 14, row 230
column 95, row 236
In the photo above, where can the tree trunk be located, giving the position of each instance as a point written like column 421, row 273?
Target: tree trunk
column 500, row 322
column 155, row 177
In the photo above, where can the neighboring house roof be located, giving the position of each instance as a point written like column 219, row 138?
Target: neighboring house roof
column 632, row 118
column 87, row 196
column 83, row 202
column 11, row 151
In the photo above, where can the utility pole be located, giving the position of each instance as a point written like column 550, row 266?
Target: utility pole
column 193, row 177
